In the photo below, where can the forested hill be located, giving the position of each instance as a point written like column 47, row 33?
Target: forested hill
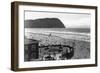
column 44, row 23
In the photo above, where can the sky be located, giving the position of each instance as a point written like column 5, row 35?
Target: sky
column 70, row 20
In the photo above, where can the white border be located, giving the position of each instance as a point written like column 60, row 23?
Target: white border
column 23, row 64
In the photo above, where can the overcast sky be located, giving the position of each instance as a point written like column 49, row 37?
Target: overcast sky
column 70, row 20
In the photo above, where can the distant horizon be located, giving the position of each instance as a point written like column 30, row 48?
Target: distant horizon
column 64, row 24
column 81, row 30
column 61, row 28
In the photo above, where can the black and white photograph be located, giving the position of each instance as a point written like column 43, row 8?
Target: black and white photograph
column 53, row 36
column 56, row 36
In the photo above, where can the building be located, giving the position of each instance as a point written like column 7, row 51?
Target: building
column 31, row 49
